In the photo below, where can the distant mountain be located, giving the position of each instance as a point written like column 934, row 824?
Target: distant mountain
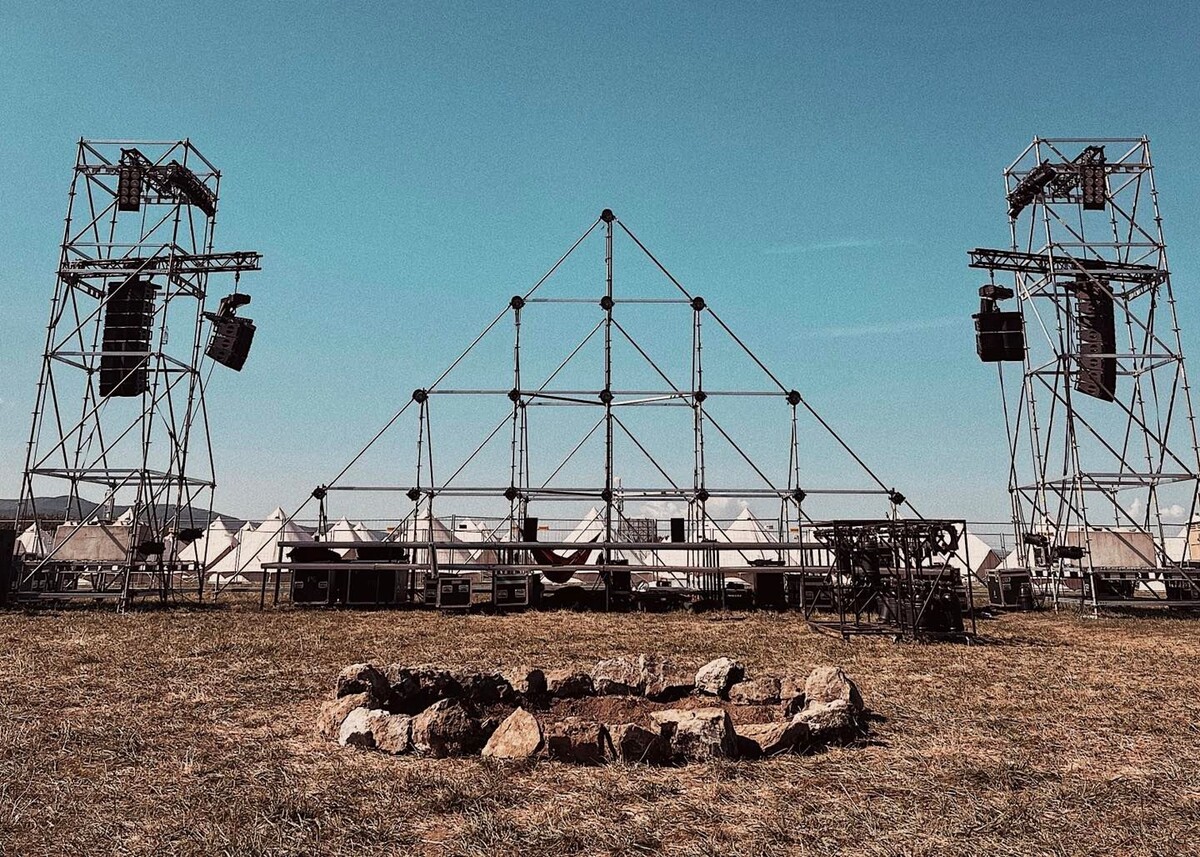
column 55, row 509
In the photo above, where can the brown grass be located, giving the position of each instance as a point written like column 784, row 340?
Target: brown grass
column 190, row 732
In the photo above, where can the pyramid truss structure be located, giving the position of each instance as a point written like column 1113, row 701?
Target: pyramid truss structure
column 1097, row 484
column 435, row 488
column 138, row 212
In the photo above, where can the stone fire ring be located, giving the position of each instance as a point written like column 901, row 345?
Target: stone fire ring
column 632, row 709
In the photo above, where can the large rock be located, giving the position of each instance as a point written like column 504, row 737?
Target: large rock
column 404, row 689
column 771, row 739
column 632, row 743
column 520, row 736
column 446, row 728
column 578, row 740
column 829, row 684
column 437, row 682
column 759, row 691
column 526, row 681
column 829, row 722
column 665, row 680
column 412, row 689
column 622, row 676
column 791, row 696
column 392, row 732
column 697, row 735
column 334, row 713
column 569, row 684
column 485, row 688
column 717, row 676
column 363, row 678
column 356, row 730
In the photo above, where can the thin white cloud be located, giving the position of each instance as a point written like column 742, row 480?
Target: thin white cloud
column 899, row 326
column 825, row 246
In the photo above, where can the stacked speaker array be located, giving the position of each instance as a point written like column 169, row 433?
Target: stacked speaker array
column 1097, row 337
column 128, row 322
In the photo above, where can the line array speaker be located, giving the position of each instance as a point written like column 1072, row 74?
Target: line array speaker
column 230, row 342
column 128, row 321
column 1097, row 339
column 999, row 336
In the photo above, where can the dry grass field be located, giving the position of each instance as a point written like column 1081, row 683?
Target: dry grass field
column 190, row 732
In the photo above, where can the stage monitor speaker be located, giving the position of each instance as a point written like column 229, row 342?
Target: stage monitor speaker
column 999, row 337
column 230, row 342
column 529, row 530
column 125, row 341
column 1096, row 335
column 678, row 532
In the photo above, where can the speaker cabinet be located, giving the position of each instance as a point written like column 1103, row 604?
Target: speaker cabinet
column 1096, row 336
column 999, row 337
column 529, row 530
column 128, row 322
column 678, row 532
column 230, row 342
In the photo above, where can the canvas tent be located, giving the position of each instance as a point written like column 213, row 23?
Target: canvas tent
column 34, row 541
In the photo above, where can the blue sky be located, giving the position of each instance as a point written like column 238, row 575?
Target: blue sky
column 815, row 170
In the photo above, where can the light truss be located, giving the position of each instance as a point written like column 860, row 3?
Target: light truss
column 609, row 444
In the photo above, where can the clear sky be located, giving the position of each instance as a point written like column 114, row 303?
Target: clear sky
column 815, row 170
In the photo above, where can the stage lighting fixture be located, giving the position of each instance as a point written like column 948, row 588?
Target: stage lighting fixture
column 129, row 183
column 1095, row 190
column 1029, row 187
column 232, row 335
column 191, row 187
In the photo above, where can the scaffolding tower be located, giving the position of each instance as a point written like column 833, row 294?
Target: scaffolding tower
column 120, row 428
column 1103, row 461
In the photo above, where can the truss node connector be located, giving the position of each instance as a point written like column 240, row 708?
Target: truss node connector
column 607, row 215
column 606, row 495
column 798, row 496
column 517, row 302
column 606, row 303
column 793, row 397
column 702, row 495
column 413, row 494
column 698, row 304
column 514, row 395
column 319, row 492
column 420, row 395
column 606, row 396
column 700, row 396
column 511, row 493
column 896, row 498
